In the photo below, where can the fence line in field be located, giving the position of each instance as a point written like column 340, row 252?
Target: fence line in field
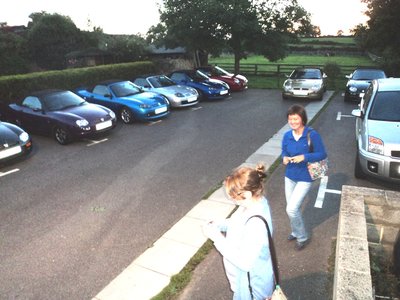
column 280, row 70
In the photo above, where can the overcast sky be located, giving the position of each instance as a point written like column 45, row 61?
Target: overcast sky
column 137, row 16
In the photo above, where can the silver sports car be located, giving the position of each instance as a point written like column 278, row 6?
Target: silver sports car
column 178, row 95
column 307, row 83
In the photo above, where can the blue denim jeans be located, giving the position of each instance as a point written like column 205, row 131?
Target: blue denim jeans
column 295, row 193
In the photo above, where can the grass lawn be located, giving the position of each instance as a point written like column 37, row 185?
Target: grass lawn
column 343, row 40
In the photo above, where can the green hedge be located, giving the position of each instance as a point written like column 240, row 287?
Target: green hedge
column 16, row 86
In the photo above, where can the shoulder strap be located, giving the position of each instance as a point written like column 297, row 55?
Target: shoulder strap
column 310, row 145
column 271, row 249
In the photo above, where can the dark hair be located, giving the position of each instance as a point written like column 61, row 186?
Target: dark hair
column 297, row 109
column 245, row 179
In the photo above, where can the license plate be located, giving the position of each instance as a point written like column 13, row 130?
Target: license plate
column 104, row 125
column 191, row 99
column 223, row 92
column 300, row 92
column 10, row 152
column 160, row 110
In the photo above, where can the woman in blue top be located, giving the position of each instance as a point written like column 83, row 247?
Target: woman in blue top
column 245, row 245
column 296, row 154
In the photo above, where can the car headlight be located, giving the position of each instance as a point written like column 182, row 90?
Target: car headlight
column 24, row 137
column 316, row 87
column 112, row 115
column 353, row 89
column 82, row 123
column 144, row 106
column 237, row 81
column 375, row 145
column 287, row 85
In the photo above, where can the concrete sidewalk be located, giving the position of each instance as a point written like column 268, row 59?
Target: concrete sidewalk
column 151, row 272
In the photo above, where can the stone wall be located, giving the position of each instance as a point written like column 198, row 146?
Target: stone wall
column 366, row 217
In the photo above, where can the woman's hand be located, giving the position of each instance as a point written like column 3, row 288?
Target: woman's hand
column 211, row 231
column 296, row 159
column 286, row 160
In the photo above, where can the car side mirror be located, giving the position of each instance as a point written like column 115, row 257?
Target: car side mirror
column 348, row 76
column 357, row 113
column 108, row 96
column 324, row 76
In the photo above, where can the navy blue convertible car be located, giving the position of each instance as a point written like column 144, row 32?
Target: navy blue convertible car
column 60, row 113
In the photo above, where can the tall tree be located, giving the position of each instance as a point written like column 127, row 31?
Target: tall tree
column 382, row 35
column 239, row 26
column 50, row 38
column 14, row 56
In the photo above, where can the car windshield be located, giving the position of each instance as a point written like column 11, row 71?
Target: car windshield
column 221, row 71
column 61, row 100
column 125, row 88
column 386, row 107
column 199, row 75
column 306, row 74
column 161, row 81
column 368, row 74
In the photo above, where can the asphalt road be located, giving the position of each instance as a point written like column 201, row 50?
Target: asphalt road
column 73, row 217
column 305, row 275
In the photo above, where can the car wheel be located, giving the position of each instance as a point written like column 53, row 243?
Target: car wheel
column 61, row 135
column 201, row 95
column 358, row 172
column 284, row 97
column 126, row 115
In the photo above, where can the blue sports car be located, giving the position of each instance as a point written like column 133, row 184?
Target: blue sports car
column 206, row 87
column 127, row 100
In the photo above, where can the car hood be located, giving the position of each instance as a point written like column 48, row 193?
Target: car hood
column 145, row 97
column 240, row 77
column 361, row 84
column 87, row 111
column 175, row 89
column 305, row 83
column 7, row 135
column 388, row 132
column 232, row 76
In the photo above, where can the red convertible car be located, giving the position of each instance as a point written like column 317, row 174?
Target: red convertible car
column 236, row 82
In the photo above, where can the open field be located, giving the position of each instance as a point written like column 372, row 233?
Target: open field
column 298, row 60
column 344, row 40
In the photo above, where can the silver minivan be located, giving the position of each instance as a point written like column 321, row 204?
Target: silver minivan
column 378, row 131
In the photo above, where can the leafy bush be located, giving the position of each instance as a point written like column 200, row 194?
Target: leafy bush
column 14, row 87
column 332, row 69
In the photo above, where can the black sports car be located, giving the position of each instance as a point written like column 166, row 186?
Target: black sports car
column 62, row 114
column 359, row 81
column 14, row 142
